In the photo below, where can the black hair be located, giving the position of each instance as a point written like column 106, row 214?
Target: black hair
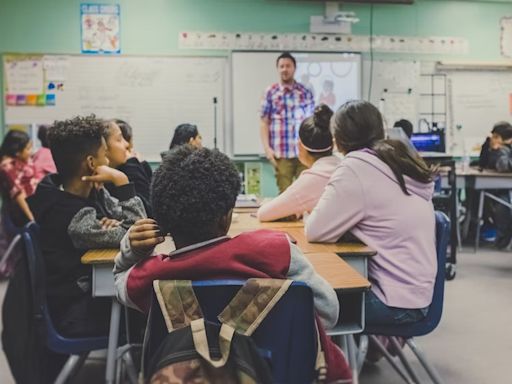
column 406, row 126
column 42, row 135
column 14, row 142
column 503, row 129
column 314, row 132
column 358, row 124
column 71, row 141
column 126, row 129
column 192, row 190
column 183, row 133
column 286, row 55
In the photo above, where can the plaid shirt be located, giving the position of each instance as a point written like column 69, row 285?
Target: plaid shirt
column 286, row 107
column 17, row 176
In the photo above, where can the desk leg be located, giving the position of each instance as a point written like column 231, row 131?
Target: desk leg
column 113, row 336
column 479, row 219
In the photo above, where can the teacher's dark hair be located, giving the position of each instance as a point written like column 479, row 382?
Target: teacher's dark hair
column 358, row 125
column 286, row 55
column 182, row 134
column 315, row 133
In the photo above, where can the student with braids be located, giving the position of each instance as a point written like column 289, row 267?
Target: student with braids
column 315, row 152
column 381, row 193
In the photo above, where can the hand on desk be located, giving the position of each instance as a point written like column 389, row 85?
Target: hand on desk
column 145, row 235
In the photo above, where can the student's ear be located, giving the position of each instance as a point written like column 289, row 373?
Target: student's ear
column 225, row 223
column 91, row 164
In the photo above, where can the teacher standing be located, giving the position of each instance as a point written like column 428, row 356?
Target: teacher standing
column 284, row 106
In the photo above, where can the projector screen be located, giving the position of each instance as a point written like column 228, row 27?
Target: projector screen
column 332, row 77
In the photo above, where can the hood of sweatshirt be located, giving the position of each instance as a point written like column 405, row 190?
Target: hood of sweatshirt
column 423, row 190
column 49, row 194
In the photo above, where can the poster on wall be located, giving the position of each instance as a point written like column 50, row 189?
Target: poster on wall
column 506, row 37
column 100, row 28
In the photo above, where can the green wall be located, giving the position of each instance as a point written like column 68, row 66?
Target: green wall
column 151, row 27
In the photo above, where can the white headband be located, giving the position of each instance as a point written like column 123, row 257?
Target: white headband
column 316, row 150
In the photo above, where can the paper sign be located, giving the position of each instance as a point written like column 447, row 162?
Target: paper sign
column 24, row 76
column 100, row 28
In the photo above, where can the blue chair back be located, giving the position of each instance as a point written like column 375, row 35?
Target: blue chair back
column 430, row 322
column 287, row 336
column 54, row 340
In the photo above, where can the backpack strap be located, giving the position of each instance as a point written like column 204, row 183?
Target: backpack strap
column 252, row 303
column 201, row 342
column 178, row 302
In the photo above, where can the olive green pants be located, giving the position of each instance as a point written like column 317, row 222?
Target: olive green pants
column 287, row 170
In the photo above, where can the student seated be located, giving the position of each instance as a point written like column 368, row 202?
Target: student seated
column 119, row 155
column 76, row 214
column 17, row 176
column 496, row 152
column 43, row 160
column 194, row 193
column 381, row 193
column 315, row 152
column 185, row 134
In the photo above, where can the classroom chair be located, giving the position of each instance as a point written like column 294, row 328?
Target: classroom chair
column 77, row 348
column 287, row 336
column 425, row 326
column 12, row 232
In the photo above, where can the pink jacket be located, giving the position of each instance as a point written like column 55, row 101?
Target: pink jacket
column 364, row 197
column 303, row 194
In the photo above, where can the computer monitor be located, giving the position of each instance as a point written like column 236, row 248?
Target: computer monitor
column 428, row 141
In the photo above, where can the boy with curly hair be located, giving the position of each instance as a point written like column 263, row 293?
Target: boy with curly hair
column 75, row 213
column 193, row 196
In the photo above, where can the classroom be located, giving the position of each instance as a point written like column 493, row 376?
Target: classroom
column 361, row 149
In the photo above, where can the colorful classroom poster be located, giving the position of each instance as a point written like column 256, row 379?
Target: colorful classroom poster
column 100, row 28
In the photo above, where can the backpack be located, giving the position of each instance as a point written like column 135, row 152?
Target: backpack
column 196, row 350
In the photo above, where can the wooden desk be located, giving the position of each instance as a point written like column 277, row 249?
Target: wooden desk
column 295, row 229
column 330, row 266
column 481, row 181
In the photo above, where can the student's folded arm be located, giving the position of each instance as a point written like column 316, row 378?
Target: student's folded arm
column 324, row 297
column 87, row 232
column 284, row 205
column 341, row 207
column 124, row 205
column 123, row 263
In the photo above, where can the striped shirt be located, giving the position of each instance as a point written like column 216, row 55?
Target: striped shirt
column 286, row 107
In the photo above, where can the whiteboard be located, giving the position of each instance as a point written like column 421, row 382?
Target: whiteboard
column 253, row 72
column 395, row 88
column 478, row 100
column 153, row 94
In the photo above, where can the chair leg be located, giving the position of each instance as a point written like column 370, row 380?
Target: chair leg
column 403, row 359
column 130, row 368
column 73, row 364
column 7, row 253
column 389, row 358
column 434, row 376
column 362, row 351
column 352, row 361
